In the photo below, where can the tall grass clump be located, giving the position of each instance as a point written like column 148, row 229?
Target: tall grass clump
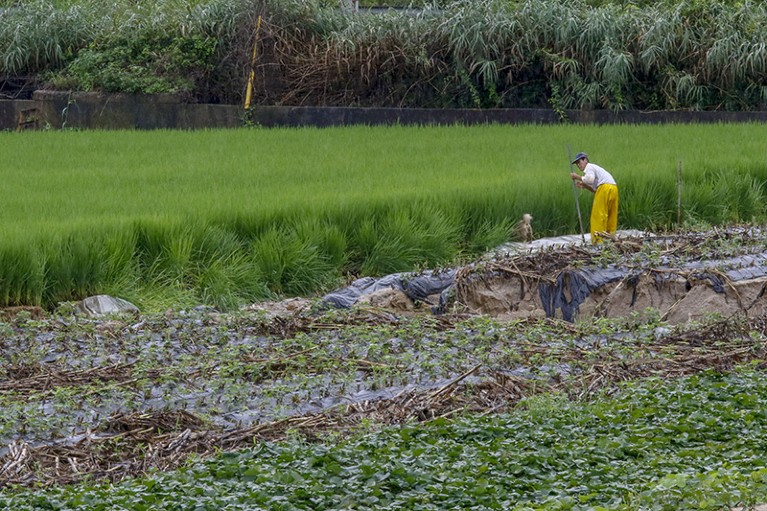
column 700, row 55
column 38, row 36
column 690, row 54
column 22, row 273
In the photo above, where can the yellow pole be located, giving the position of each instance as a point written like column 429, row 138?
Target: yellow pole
column 252, row 76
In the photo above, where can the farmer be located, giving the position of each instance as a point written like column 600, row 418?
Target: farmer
column 604, row 210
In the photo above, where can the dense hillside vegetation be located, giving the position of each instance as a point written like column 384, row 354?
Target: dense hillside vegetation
column 582, row 54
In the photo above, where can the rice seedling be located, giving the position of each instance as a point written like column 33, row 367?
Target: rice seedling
column 289, row 264
column 22, row 274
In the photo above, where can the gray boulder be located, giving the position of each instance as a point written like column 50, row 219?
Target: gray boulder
column 102, row 305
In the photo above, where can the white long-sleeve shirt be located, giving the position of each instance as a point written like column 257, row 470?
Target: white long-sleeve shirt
column 595, row 176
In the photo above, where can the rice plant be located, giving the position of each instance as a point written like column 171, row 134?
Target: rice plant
column 228, row 217
column 22, row 273
column 386, row 244
column 289, row 264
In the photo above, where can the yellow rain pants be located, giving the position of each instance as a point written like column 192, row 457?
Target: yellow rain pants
column 604, row 211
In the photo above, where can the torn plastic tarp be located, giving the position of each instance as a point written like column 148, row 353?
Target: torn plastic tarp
column 734, row 269
column 572, row 287
column 416, row 286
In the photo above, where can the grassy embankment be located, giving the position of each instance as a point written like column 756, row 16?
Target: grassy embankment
column 229, row 217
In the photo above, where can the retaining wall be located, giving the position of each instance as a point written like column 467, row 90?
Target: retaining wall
column 57, row 110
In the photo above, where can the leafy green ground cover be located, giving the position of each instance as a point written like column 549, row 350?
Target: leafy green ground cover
column 692, row 443
column 368, row 410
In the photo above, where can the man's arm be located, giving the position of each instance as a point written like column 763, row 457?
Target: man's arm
column 579, row 182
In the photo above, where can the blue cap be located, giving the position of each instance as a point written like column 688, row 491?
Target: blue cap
column 579, row 156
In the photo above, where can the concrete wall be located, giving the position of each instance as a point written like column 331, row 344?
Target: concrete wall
column 10, row 111
column 57, row 110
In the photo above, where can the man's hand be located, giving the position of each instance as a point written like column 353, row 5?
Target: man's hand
column 574, row 176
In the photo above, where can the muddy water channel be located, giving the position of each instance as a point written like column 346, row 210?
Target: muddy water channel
column 112, row 397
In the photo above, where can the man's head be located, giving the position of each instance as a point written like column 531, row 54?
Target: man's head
column 581, row 160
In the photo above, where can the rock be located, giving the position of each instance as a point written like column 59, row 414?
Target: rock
column 102, row 305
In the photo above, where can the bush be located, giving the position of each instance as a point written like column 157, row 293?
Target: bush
column 151, row 64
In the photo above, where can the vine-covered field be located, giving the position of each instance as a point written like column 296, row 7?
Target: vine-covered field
column 367, row 409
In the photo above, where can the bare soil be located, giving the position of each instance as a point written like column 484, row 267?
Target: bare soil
column 683, row 277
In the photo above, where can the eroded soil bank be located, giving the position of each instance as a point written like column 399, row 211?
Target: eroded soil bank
column 681, row 277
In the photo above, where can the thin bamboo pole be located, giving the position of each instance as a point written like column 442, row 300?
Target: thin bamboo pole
column 252, row 74
column 679, row 195
column 575, row 193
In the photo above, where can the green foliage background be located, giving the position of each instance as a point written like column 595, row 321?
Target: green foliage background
column 560, row 54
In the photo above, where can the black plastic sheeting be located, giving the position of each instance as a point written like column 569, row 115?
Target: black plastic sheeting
column 572, row 287
column 743, row 267
column 416, row 286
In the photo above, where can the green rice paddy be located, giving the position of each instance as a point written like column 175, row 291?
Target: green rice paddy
column 158, row 216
